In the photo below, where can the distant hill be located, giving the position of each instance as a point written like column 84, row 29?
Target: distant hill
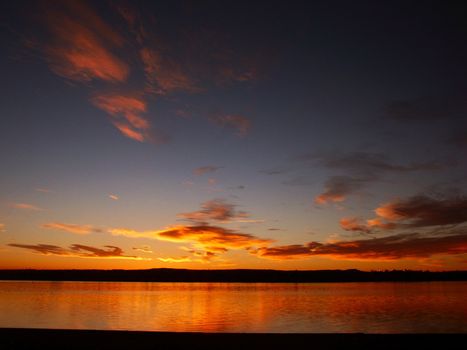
column 252, row 276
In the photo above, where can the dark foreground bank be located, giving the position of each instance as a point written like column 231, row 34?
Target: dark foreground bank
column 267, row 276
column 16, row 338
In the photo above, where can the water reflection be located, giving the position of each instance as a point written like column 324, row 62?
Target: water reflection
column 236, row 307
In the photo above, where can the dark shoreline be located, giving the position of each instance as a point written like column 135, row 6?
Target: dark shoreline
column 246, row 276
column 16, row 338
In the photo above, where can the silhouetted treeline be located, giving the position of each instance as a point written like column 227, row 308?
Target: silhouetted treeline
column 185, row 275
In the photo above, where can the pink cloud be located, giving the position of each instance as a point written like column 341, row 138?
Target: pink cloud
column 81, row 44
column 126, row 114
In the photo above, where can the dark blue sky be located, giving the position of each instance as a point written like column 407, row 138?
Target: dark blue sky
column 323, row 121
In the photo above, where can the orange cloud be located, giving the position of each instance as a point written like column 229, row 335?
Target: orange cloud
column 78, row 251
column 352, row 224
column 239, row 123
column 211, row 238
column 72, row 228
column 26, row 206
column 114, row 197
column 2, row 228
column 401, row 246
column 81, row 44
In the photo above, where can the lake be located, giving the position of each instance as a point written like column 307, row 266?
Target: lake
column 383, row 307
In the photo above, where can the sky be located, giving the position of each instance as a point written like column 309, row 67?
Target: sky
column 233, row 134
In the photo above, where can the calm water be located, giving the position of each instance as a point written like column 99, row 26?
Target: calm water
column 237, row 307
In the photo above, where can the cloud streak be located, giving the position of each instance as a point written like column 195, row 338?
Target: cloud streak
column 206, row 170
column 26, row 206
column 400, row 246
column 72, row 228
column 78, row 251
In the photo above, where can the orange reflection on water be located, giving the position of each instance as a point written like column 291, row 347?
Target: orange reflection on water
column 236, row 307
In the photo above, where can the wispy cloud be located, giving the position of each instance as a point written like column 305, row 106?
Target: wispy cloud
column 166, row 75
column 82, row 44
column 78, row 251
column 114, row 197
column 400, row 246
column 72, row 228
column 338, row 188
column 206, row 169
column 144, row 249
column 26, row 206
column 217, row 210
column 360, row 169
column 240, row 124
column 43, row 190
column 126, row 114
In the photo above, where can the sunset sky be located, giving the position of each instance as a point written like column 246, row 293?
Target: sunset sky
column 233, row 134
